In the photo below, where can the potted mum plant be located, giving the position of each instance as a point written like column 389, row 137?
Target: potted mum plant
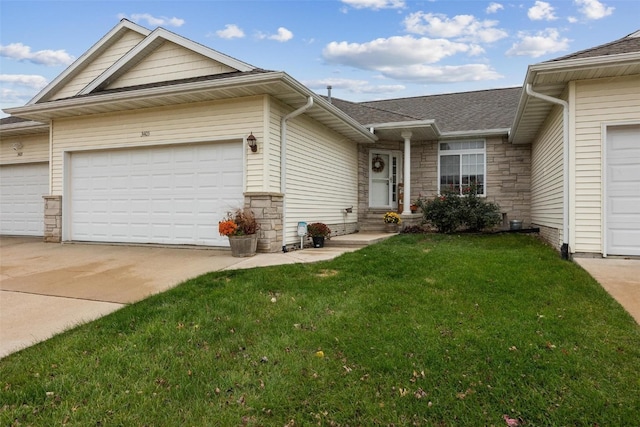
column 241, row 228
column 318, row 232
column 391, row 222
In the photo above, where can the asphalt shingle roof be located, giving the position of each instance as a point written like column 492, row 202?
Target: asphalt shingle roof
column 463, row 111
column 628, row 44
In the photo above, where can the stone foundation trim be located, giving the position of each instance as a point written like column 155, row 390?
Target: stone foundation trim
column 52, row 219
column 268, row 208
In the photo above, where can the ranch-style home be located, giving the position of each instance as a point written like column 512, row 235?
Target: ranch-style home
column 151, row 138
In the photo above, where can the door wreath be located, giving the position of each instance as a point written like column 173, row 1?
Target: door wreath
column 377, row 164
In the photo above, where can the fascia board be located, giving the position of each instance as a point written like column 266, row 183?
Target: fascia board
column 87, row 57
column 481, row 133
column 121, row 65
column 266, row 78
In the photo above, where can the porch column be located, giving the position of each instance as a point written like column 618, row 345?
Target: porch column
column 406, row 206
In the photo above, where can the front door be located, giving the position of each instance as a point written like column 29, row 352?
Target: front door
column 384, row 175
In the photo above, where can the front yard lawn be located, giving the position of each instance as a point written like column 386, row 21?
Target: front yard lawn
column 417, row 330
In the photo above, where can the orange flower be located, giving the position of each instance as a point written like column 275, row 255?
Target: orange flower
column 227, row 228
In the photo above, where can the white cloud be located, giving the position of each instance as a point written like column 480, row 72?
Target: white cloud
column 593, row 9
column 282, row 36
column 541, row 11
column 32, row 81
column 17, row 89
column 231, row 31
column 352, row 86
column 154, row 21
column 375, row 4
column 20, row 52
column 405, row 50
column 460, row 27
column 572, row 19
column 442, row 74
column 410, row 59
column 538, row 44
column 494, row 7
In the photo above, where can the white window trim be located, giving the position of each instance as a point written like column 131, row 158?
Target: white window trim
column 482, row 151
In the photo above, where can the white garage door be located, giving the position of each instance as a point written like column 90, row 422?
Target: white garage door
column 21, row 202
column 623, row 190
column 168, row 195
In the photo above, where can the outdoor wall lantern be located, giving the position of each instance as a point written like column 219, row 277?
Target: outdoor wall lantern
column 17, row 147
column 251, row 140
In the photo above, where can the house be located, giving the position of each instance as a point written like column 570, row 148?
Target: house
column 580, row 114
column 144, row 139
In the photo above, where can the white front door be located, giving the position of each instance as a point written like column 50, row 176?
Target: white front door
column 167, row 194
column 384, row 176
column 623, row 190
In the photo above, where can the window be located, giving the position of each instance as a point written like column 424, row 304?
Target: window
column 461, row 165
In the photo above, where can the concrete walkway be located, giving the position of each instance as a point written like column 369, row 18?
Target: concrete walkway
column 618, row 276
column 48, row 288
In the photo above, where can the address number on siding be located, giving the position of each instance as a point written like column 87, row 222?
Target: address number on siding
column 145, row 133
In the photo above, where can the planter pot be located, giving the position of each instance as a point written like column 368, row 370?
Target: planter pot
column 390, row 227
column 318, row 241
column 243, row 246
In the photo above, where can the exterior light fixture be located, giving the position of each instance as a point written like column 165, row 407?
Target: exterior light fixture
column 17, row 147
column 251, row 140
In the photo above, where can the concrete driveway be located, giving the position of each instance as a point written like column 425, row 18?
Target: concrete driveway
column 47, row 288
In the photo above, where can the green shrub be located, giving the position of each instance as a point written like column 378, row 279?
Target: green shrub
column 478, row 213
column 450, row 211
column 443, row 212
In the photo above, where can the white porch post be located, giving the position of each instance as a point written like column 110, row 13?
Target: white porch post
column 406, row 207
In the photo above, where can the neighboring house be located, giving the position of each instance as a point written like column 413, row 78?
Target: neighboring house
column 581, row 116
column 144, row 140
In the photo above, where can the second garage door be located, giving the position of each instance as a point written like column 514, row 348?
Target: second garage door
column 166, row 195
column 21, row 204
column 623, row 190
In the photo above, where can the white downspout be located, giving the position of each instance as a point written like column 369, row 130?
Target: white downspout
column 283, row 165
column 564, row 250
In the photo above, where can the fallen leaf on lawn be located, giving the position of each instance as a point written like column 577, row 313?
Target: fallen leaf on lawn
column 320, row 353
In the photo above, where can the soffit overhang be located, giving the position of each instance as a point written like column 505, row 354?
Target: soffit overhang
column 23, row 128
column 276, row 84
column 552, row 78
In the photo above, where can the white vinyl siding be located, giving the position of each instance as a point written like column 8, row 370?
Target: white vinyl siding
column 546, row 174
column 201, row 122
column 35, row 148
column 170, row 62
column 107, row 58
column 322, row 176
column 597, row 103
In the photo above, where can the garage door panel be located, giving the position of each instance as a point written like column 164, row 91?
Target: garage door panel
column 21, row 204
column 623, row 190
column 168, row 195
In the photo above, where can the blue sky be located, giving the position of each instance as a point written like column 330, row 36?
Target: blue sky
column 365, row 49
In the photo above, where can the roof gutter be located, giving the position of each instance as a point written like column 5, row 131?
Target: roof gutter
column 283, row 164
column 564, row 250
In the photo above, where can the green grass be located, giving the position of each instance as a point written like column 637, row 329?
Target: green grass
column 417, row 330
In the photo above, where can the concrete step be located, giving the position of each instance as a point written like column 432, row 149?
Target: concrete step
column 359, row 240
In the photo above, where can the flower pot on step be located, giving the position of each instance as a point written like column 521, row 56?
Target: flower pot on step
column 318, row 241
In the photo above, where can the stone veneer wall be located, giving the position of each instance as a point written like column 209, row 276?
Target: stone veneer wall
column 508, row 175
column 551, row 236
column 268, row 209
column 52, row 219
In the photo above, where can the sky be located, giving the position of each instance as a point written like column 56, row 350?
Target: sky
column 365, row 49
